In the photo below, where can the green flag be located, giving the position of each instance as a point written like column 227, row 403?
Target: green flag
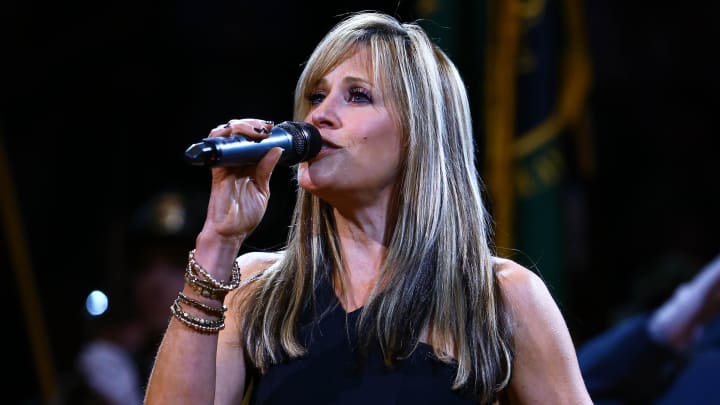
column 527, row 71
column 537, row 80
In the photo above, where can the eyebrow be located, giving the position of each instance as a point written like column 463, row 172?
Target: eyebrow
column 345, row 80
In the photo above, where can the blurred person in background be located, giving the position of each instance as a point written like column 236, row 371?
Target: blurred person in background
column 668, row 355
column 114, row 363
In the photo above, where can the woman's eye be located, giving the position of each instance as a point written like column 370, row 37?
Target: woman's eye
column 316, row 98
column 359, row 95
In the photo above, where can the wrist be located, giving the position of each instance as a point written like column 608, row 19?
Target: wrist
column 212, row 248
column 210, row 234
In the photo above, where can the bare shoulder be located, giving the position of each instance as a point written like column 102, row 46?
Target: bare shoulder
column 522, row 289
column 545, row 368
column 252, row 262
column 538, row 326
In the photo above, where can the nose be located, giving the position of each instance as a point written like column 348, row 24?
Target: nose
column 324, row 115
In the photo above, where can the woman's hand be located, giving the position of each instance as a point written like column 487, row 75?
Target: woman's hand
column 239, row 194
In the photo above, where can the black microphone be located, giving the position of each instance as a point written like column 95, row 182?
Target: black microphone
column 300, row 141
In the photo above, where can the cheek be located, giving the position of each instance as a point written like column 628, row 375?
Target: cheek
column 384, row 150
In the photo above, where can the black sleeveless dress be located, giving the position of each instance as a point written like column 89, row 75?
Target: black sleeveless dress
column 334, row 372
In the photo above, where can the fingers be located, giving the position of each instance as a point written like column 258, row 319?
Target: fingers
column 250, row 127
column 265, row 167
column 257, row 175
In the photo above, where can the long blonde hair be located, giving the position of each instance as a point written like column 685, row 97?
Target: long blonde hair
column 438, row 273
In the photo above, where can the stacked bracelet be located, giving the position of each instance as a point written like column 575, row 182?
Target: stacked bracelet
column 195, row 267
column 199, row 324
column 208, row 309
column 203, row 283
column 201, row 288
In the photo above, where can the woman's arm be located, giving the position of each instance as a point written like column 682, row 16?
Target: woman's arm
column 184, row 371
column 545, row 366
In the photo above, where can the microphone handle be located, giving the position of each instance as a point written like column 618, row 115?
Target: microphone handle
column 299, row 140
column 238, row 149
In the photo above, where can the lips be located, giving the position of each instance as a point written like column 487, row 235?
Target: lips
column 326, row 148
column 328, row 144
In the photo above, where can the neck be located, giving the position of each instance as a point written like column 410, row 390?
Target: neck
column 363, row 249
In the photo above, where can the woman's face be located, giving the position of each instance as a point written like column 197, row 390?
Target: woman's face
column 362, row 142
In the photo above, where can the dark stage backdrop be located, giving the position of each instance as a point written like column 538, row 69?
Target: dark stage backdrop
column 100, row 99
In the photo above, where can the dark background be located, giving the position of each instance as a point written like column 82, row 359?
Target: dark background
column 100, row 99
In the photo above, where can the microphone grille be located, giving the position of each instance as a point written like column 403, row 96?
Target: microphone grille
column 299, row 145
column 306, row 140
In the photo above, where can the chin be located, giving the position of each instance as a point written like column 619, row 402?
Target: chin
column 314, row 181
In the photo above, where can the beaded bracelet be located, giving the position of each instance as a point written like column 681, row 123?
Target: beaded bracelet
column 195, row 267
column 210, row 310
column 203, row 289
column 199, row 324
column 204, row 284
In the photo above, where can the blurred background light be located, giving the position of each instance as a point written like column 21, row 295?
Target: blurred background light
column 96, row 303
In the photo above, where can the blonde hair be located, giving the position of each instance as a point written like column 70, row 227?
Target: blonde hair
column 438, row 273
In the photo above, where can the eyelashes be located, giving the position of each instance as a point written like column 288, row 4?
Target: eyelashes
column 354, row 95
column 359, row 95
column 315, row 97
